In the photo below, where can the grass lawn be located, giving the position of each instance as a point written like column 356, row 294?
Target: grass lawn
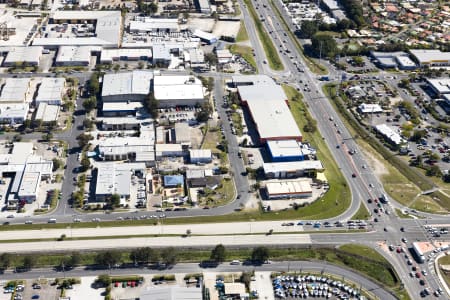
column 220, row 196
column 269, row 48
column 245, row 52
column 400, row 214
column 237, row 122
column 362, row 213
column 338, row 197
column 242, row 34
column 212, row 137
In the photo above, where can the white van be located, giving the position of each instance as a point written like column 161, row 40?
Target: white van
column 51, row 221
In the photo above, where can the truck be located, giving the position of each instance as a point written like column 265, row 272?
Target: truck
column 417, row 253
column 324, row 78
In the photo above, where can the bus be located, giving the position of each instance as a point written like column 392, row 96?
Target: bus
column 417, row 253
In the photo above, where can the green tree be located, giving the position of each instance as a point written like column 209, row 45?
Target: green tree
column 47, row 136
column 434, row 170
column 94, row 84
column 84, row 139
column 152, row 105
column 115, row 200
column 75, row 259
column 211, row 58
column 308, row 29
column 29, row 262
column 417, row 135
column 169, row 256
column 260, row 254
column 90, row 104
column 143, row 255
column 57, row 164
column 205, row 112
column 218, row 254
column 5, row 260
column 116, row 67
column 108, row 258
column 103, row 280
column 324, row 44
column 85, row 163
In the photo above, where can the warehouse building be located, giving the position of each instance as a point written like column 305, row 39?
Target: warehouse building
column 121, row 109
column 108, row 26
column 51, row 91
column 13, row 113
column 47, row 113
column 292, row 169
column 182, row 133
column 108, row 56
column 15, row 90
column 285, row 150
column 288, row 189
column 267, row 104
column 26, row 170
column 205, row 36
column 28, row 56
column 431, row 58
column 200, row 156
column 441, row 86
column 390, row 135
column 154, row 25
column 120, row 123
column 73, row 56
column 116, row 178
column 178, row 90
column 168, row 150
column 126, row 87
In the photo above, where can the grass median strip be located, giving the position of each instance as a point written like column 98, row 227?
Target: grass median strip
column 269, row 48
column 246, row 53
column 362, row 213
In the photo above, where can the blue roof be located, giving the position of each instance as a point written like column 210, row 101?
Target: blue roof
column 173, row 180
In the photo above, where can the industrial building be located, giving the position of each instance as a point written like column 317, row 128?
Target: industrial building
column 120, row 123
column 285, row 150
column 51, row 90
column 154, row 25
column 168, row 150
column 182, row 133
column 178, row 90
column 47, row 113
column 116, row 178
column 288, row 189
column 107, row 32
column 292, row 169
column 13, row 113
column 127, row 86
column 390, row 134
column 108, row 56
column 73, row 56
column 200, row 156
column 441, row 86
column 26, row 170
column 205, row 36
column 121, row 109
column 431, row 58
column 15, row 90
column 370, row 108
column 267, row 104
column 24, row 56
column 397, row 59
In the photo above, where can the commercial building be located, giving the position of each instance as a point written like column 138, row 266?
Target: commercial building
column 196, row 57
column 26, row 170
column 47, row 113
column 292, row 169
column 116, row 178
column 73, row 56
column 127, row 86
column 120, row 123
column 431, row 58
column 441, row 86
column 107, row 32
column 285, row 150
column 172, row 293
column 182, row 133
column 51, row 91
column 203, row 6
column 288, row 189
column 369, row 108
column 25, row 56
column 171, row 181
column 13, row 113
column 397, row 59
column 205, row 36
column 178, row 90
column 154, row 25
column 168, row 150
column 15, row 90
column 267, row 104
column 108, row 56
column 390, row 135
column 198, row 156
column 121, row 109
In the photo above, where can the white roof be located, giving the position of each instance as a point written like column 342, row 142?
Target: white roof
column 29, row 184
column 121, row 106
column 23, row 54
column 15, row 89
column 47, row 112
column 13, row 111
column 286, row 148
column 292, row 166
column 172, row 293
column 129, row 83
column 200, row 153
column 125, row 145
column 370, row 108
column 196, row 56
column 109, row 55
column 204, row 35
column 405, row 61
column 80, row 54
column 441, row 85
column 160, row 148
column 51, row 89
column 115, row 178
column 283, row 187
column 152, row 24
column 177, row 87
column 161, row 52
column 430, row 56
column 390, row 133
column 266, row 101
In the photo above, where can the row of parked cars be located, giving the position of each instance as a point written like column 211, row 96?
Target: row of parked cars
column 351, row 224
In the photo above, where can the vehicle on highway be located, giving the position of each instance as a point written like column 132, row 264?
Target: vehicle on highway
column 28, row 222
column 51, row 221
column 235, row 262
